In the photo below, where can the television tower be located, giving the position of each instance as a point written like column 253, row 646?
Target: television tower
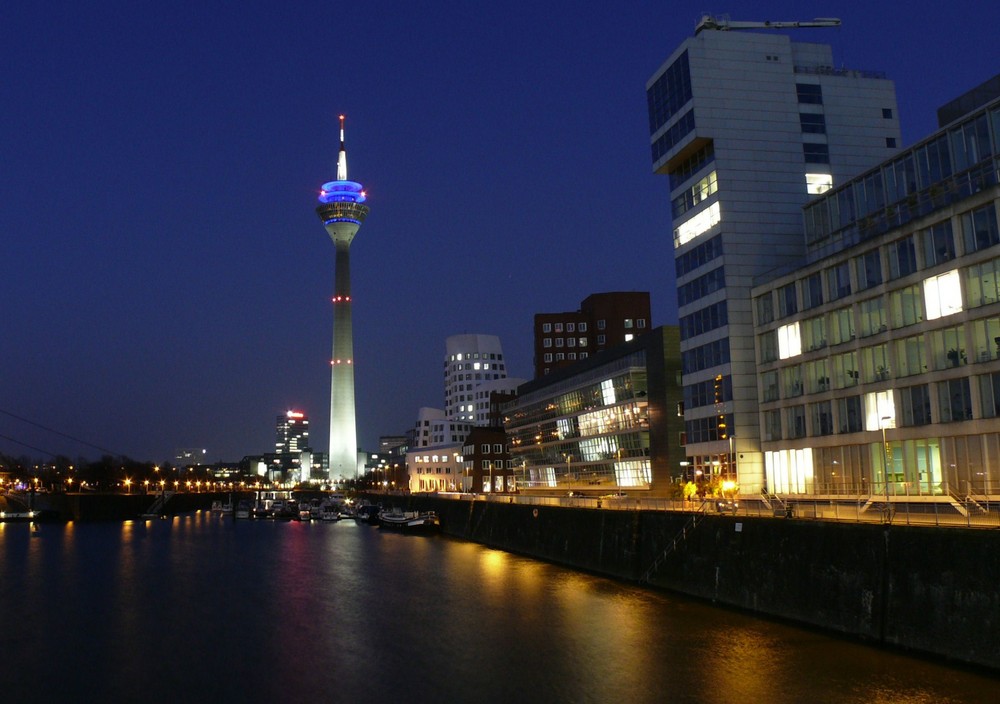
column 342, row 211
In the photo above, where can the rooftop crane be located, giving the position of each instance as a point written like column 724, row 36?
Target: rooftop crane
column 724, row 24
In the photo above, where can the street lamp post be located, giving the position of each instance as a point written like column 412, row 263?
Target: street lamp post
column 885, row 460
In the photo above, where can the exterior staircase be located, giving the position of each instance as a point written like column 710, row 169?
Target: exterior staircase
column 678, row 540
column 156, row 509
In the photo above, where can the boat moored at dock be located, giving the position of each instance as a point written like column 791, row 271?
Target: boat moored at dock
column 414, row 521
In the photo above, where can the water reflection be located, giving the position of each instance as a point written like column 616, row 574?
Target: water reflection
column 200, row 607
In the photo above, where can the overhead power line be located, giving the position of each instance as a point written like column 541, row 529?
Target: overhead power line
column 53, row 430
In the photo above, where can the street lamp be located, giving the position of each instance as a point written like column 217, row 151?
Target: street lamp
column 885, row 458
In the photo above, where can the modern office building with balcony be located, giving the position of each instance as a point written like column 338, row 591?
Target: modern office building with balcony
column 748, row 126
column 879, row 359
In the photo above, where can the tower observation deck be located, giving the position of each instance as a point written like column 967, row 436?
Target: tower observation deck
column 342, row 211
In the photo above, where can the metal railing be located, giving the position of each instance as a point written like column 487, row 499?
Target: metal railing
column 873, row 507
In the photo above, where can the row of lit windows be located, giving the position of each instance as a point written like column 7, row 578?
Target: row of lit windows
column 475, row 355
column 909, row 406
column 536, row 421
column 697, row 225
column 934, row 298
column 937, row 350
column 925, row 248
column 692, row 165
column 695, row 194
column 468, row 366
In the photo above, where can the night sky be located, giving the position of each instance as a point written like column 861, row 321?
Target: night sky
column 164, row 277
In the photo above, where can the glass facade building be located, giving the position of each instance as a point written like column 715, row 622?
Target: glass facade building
column 607, row 423
column 879, row 359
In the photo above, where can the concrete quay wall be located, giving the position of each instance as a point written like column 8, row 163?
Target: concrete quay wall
column 935, row 591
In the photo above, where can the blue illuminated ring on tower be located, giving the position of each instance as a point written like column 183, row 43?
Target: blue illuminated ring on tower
column 342, row 191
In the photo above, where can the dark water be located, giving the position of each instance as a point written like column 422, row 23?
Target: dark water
column 200, row 608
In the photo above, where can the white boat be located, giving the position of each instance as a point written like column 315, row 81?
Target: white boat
column 409, row 520
column 226, row 509
column 329, row 514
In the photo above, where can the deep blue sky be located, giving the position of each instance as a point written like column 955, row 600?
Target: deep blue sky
column 165, row 280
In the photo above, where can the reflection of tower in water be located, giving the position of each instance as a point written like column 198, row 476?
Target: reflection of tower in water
column 342, row 211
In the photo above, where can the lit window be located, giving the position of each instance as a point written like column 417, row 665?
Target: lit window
column 558, row 327
column 943, row 295
column 628, row 336
column 697, row 225
column 880, row 410
column 789, row 341
column 818, row 183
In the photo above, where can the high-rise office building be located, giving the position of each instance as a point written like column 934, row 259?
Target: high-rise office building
column 291, row 433
column 291, row 444
column 748, row 126
column 342, row 211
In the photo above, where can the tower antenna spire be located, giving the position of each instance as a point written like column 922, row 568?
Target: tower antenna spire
column 342, row 158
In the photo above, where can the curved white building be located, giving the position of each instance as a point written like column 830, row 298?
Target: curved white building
column 469, row 361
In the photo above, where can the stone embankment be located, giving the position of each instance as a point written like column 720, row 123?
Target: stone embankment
column 928, row 590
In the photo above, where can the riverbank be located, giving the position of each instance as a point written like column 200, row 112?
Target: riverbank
column 928, row 590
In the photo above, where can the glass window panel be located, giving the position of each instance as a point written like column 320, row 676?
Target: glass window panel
column 906, row 306
column 849, row 415
column 841, row 326
column 875, row 363
column 911, row 356
column 845, row 370
column 872, row 316
column 943, row 295
column 948, row 347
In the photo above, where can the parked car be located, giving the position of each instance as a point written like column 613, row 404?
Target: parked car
column 727, row 505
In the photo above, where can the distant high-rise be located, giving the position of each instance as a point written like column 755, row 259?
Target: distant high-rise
column 342, row 211
column 291, row 433
column 748, row 126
